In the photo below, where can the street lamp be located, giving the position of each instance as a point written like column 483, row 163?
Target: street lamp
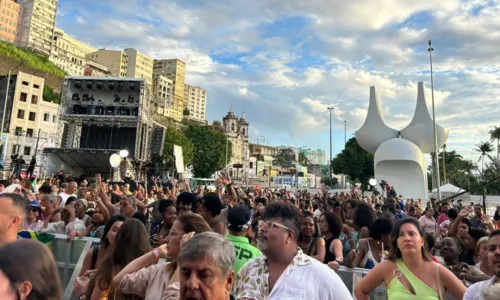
column 436, row 149
column 330, row 167
column 5, row 101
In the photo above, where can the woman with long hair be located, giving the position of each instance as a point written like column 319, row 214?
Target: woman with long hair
column 482, row 257
column 373, row 250
column 168, row 214
column 330, row 227
column 410, row 272
column 362, row 218
column 427, row 221
column 28, row 271
column 131, row 242
column 146, row 278
column 309, row 240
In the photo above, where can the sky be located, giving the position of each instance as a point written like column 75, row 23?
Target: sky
column 283, row 62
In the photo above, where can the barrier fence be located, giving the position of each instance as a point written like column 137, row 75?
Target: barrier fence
column 69, row 259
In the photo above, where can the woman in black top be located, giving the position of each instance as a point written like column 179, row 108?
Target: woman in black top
column 309, row 240
column 330, row 227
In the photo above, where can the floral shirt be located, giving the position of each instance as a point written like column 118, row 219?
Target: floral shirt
column 304, row 278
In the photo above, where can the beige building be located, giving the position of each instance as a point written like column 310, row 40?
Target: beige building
column 196, row 102
column 236, row 130
column 139, row 65
column 28, row 118
column 69, row 53
column 175, row 70
column 10, row 12
column 37, row 24
column 115, row 60
column 95, row 69
column 162, row 89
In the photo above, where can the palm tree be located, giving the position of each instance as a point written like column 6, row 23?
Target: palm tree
column 485, row 148
column 495, row 135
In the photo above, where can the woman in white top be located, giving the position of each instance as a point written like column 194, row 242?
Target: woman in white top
column 427, row 221
column 147, row 278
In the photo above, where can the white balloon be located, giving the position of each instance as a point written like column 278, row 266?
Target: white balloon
column 115, row 160
column 372, row 182
column 124, row 153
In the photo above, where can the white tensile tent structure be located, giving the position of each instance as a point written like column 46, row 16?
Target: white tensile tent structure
column 449, row 190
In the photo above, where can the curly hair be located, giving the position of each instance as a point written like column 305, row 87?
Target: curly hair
column 334, row 224
column 287, row 212
column 364, row 216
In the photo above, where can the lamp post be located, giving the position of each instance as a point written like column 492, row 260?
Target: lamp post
column 436, row 149
column 330, row 167
column 5, row 103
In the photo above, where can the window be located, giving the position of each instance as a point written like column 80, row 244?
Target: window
column 15, row 149
column 23, row 97
column 20, row 114
column 18, row 131
column 27, row 150
column 29, row 132
column 34, row 99
column 53, row 119
column 46, row 117
column 26, row 83
column 32, row 116
column 36, row 86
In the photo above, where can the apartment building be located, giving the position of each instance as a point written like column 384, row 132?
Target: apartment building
column 69, row 53
column 196, row 102
column 162, row 89
column 115, row 60
column 30, row 122
column 37, row 25
column 175, row 70
column 315, row 156
column 10, row 12
column 95, row 69
column 139, row 65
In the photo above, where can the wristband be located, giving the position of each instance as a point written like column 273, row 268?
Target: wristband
column 156, row 253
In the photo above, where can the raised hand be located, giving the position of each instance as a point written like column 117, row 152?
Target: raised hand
column 224, row 178
column 463, row 213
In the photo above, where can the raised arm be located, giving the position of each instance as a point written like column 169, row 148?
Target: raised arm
column 454, row 227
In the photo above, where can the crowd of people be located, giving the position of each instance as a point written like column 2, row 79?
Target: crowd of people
column 166, row 241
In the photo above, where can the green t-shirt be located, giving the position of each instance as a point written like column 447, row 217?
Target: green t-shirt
column 244, row 251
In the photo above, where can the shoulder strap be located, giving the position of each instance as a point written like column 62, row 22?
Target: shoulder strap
column 95, row 252
column 313, row 245
column 439, row 284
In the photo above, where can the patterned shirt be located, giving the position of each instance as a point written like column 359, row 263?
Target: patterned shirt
column 304, row 278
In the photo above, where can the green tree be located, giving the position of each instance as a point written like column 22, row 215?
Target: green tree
column 209, row 150
column 485, row 149
column 50, row 96
column 330, row 182
column 495, row 135
column 285, row 158
column 176, row 137
column 303, row 159
column 186, row 112
column 354, row 162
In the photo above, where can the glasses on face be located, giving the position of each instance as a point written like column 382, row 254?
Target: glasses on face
column 33, row 210
column 272, row 225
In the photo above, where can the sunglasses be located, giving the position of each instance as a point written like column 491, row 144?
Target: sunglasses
column 33, row 210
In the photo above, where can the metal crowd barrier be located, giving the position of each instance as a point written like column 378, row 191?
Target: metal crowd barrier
column 69, row 259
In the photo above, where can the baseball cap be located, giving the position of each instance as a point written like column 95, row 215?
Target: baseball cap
column 238, row 218
column 36, row 205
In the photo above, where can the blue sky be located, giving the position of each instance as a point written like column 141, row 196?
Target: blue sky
column 284, row 61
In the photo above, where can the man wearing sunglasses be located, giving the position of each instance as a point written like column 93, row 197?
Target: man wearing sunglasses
column 285, row 271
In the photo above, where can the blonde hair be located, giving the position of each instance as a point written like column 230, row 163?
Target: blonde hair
column 481, row 241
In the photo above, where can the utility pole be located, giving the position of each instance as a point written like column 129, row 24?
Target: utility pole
column 37, row 140
column 345, row 133
column 330, row 167
column 436, row 149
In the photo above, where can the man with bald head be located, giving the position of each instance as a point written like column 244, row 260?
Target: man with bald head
column 13, row 212
column 69, row 191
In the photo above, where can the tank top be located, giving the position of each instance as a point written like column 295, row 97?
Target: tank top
column 328, row 255
column 396, row 290
column 368, row 261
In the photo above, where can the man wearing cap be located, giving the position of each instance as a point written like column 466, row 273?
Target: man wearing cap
column 238, row 220
column 32, row 221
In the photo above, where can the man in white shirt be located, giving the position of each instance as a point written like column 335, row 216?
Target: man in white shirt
column 68, row 192
column 285, row 272
column 475, row 291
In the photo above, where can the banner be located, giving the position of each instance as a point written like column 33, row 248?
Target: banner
column 179, row 159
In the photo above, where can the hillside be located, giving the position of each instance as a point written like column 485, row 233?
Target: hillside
column 38, row 65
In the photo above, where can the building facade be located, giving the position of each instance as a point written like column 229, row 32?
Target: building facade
column 139, row 65
column 38, row 20
column 95, row 69
column 115, row 60
column 236, row 130
column 162, row 90
column 10, row 13
column 196, row 102
column 315, row 156
column 175, row 70
column 69, row 53
column 30, row 123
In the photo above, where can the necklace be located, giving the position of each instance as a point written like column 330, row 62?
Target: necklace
column 307, row 246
